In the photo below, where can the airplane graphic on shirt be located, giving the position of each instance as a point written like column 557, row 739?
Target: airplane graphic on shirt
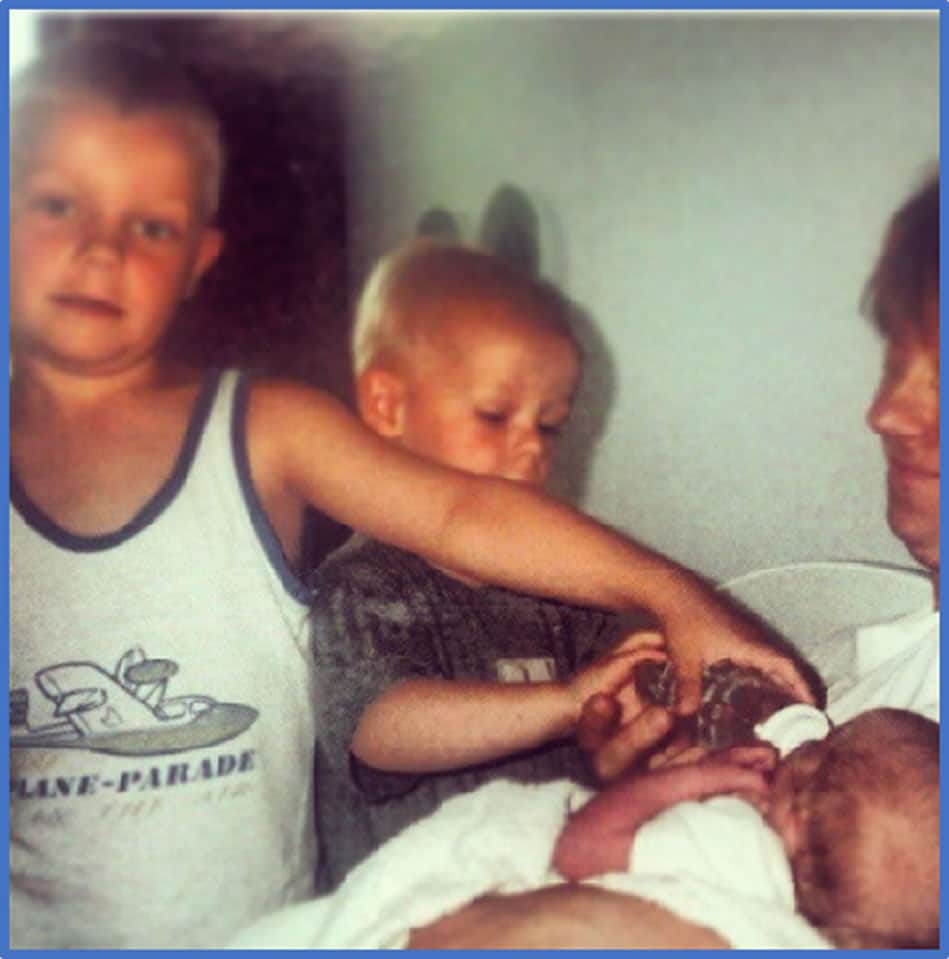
column 126, row 712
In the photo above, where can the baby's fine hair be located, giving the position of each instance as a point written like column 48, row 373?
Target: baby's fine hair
column 424, row 274
column 857, row 877
column 907, row 270
column 130, row 78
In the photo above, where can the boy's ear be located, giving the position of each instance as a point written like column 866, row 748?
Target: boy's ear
column 380, row 395
column 209, row 249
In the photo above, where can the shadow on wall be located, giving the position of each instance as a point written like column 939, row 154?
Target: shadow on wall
column 509, row 228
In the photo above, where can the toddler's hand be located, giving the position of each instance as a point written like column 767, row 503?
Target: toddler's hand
column 611, row 675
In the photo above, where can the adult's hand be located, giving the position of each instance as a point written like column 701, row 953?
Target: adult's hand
column 564, row 917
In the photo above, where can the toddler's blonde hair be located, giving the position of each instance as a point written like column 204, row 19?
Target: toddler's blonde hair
column 426, row 273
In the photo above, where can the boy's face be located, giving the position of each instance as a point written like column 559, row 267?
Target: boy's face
column 488, row 393
column 105, row 239
column 905, row 414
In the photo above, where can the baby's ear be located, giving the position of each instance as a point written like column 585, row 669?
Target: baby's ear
column 789, row 824
column 380, row 395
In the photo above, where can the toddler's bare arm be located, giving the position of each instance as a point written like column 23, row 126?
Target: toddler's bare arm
column 428, row 725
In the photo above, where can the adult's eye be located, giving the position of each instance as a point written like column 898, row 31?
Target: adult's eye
column 551, row 429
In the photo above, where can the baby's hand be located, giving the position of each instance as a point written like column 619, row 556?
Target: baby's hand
column 599, row 837
column 695, row 773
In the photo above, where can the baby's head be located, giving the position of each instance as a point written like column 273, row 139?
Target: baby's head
column 859, row 816
column 116, row 163
column 466, row 360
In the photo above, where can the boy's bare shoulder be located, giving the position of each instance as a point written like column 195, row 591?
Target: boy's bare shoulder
column 279, row 408
column 268, row 394
column 286, row 423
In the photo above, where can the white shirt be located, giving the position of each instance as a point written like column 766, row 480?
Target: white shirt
column 896, row 664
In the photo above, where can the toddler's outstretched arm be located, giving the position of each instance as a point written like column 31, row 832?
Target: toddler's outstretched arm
column 599, row 837
column 428, row 725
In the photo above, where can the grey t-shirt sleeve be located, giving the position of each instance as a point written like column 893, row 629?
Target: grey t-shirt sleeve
column 596, row 635
column 367, row 634
column 598, row 631
column 362, row 636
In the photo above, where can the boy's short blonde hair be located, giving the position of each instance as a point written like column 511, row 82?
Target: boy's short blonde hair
column 426, row 273
column 130, row 78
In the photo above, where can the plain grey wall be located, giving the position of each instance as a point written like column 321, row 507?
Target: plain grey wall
column 712, row 190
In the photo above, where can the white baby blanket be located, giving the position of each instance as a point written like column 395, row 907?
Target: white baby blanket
column 499, row 838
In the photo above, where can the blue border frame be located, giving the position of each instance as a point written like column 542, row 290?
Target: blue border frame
column 668, row 5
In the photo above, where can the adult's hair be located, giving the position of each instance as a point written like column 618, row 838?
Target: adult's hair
column 868, row 870
column 907, row 270
column 132, row 79
column 420, row 277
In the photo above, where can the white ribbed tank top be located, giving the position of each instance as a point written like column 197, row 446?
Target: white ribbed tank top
column 161, row 711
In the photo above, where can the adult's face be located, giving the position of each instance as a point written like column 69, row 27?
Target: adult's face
column 905, row 414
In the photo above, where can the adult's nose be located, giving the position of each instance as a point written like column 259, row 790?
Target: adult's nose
column 906, row 402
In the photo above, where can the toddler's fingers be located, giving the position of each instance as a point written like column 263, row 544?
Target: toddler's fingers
column 630, row 702
column 645, row 640
column 599, row 719
column 637, row 656
column 628, row 745
column 608, row 675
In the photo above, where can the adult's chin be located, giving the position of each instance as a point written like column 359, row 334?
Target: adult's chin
column 918, row 533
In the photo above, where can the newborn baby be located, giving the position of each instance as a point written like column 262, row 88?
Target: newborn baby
column 857, row 815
